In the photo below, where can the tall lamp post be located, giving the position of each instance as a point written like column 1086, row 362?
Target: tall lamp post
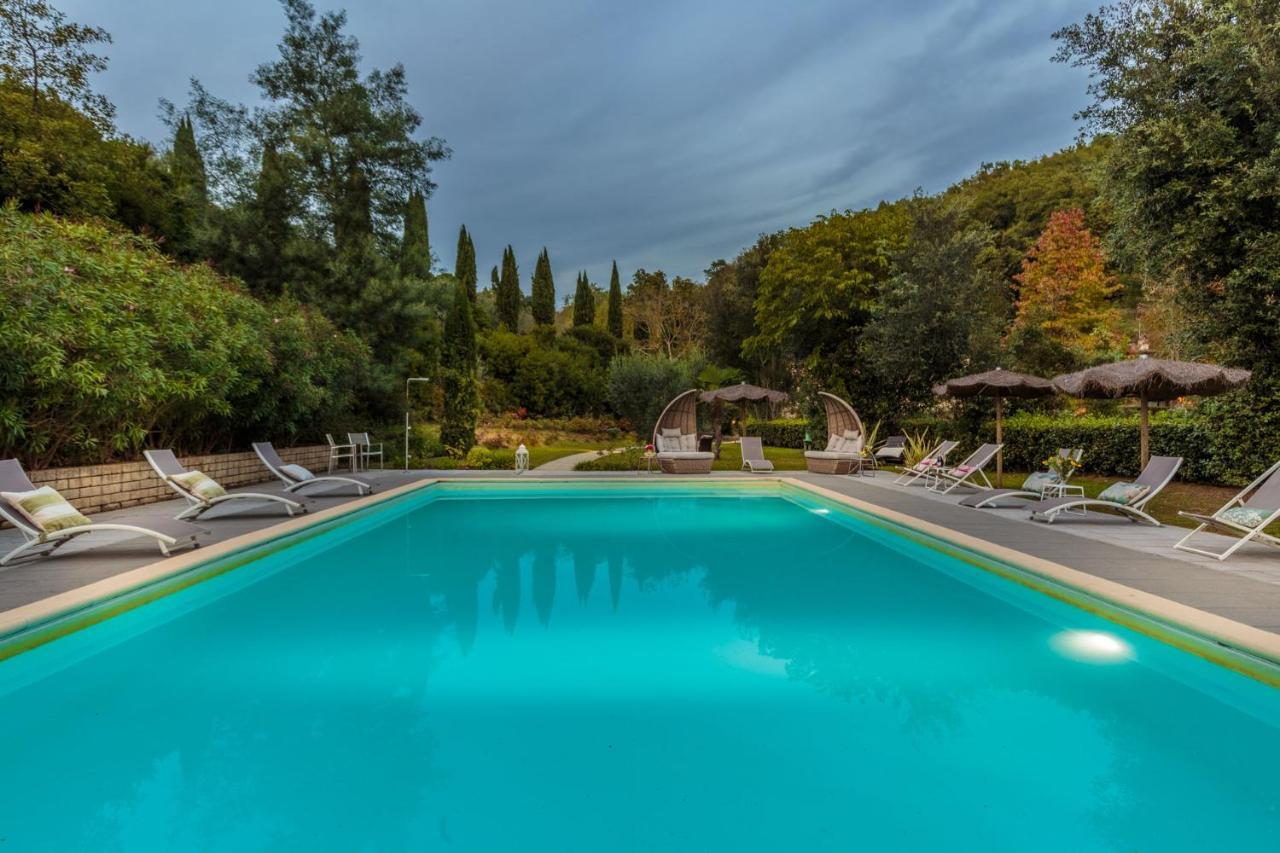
column 407, row 383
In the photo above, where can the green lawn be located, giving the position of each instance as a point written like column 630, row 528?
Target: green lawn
column 505, row 458
column 783, row 459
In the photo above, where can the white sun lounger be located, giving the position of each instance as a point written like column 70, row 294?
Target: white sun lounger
column 753, row 454
column 1158, row 474
column 166, row 464
column 169, row 535
column 295, row 477
column 934, row 461
column 1262, row 496
column 966, row 473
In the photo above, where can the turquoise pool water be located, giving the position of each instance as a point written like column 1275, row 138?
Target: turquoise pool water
column 570, row 669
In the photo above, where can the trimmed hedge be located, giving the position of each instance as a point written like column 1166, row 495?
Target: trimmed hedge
column 1111, row 444
column 782, row 432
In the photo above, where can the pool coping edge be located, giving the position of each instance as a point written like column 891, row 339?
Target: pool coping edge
column 38, row 622
column 18, row 620
column 1235, row 636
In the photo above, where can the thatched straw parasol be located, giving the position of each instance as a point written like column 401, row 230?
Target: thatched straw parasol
column 741, row 393
column 1150, row 380
column 996, row 383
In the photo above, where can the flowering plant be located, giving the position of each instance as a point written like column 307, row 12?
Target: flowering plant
column 648, row 450
column 1063, row 466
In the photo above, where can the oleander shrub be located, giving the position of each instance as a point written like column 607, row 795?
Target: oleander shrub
column 108, row 345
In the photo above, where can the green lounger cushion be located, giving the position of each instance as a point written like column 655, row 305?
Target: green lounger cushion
column 1246, row 516
column 199, row 484
column 47, row 510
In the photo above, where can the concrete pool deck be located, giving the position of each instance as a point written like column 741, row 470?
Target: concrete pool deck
column 1245, row 589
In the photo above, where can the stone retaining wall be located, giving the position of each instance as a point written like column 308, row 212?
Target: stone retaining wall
column 98, row 488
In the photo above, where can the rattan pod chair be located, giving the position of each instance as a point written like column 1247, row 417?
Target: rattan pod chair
column 845, row 438
column 675, row 437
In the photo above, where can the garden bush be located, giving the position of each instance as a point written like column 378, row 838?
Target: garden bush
column 783, row 432
column 1111, row 444
column 545, row 375
column 640, row 386
column 109, row 345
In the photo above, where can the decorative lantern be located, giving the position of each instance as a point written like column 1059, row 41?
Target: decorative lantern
column 522, row 459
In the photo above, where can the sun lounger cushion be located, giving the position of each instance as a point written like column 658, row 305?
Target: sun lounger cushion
column 199, row 484
column 1039, row 481
column 828, row 454
column 671, row 441
column 843, row 443
column 1123, row 493
column 297, row 472
column 47, row 510
column 686, row 454
column 1246, row 516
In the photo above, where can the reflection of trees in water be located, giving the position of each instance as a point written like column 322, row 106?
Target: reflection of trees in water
column 866, row 624
column 544, row 582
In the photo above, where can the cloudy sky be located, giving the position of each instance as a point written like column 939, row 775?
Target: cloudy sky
column 663, row 134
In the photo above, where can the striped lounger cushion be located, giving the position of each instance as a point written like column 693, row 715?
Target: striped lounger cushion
column 47, row 510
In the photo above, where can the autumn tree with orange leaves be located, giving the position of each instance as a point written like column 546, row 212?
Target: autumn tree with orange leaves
column 1065, row 313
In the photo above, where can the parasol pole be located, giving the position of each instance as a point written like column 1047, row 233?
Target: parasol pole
column 1000, row 441
column 1143, row 427
column 716, row 417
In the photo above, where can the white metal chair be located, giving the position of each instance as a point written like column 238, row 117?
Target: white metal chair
column 364, row 449
column 339, row 452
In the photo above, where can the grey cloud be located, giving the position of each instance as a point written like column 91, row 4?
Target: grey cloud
column 664, row 134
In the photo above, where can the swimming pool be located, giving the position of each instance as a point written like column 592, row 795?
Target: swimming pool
column 587, row 668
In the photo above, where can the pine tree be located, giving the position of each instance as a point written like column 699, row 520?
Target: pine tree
column 615, row 303
column 353, row 218
column 584, row 302
column 543, row 297
column 464, row 265
column 415, row 248
column 458, row 367
column 509, row 292
column 190, row 192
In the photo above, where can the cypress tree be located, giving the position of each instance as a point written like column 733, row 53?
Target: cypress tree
column 190, row 192
column 584, row 302
column 415, row 249
column 615, row 303
column 493, row 278
column 509, row 292
column 464, row 265
column 270, row 227
column 458, row 368
column 543, row 297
